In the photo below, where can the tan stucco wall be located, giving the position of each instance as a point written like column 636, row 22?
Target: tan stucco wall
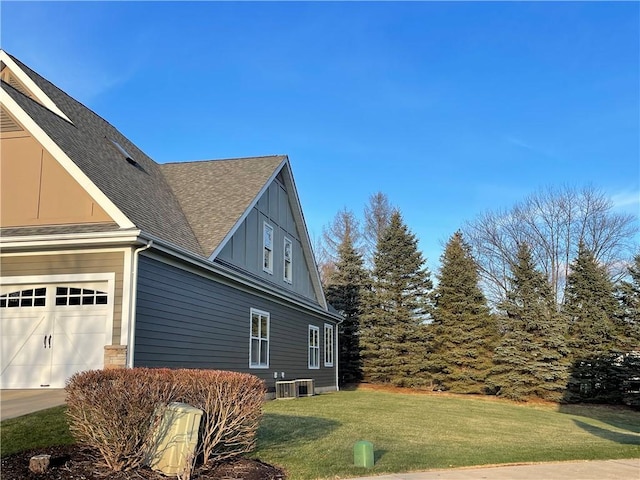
column 36, row 190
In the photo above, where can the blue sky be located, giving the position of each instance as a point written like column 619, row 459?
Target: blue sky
column 450, row 108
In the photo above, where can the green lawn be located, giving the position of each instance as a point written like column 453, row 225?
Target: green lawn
column 313, row 438
column 40, row 429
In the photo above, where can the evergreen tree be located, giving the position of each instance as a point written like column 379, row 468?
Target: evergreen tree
column 590, row 307
column 462, row 332
column 628, row 294
column 392, row 330
column 530, row 359
column 345, row 293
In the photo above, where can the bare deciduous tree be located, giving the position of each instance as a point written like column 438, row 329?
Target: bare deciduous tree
column 377, row 216
column 553, row 222
column 343, row 224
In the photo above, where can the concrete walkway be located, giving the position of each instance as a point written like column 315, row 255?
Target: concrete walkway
column 592, row 470
column 15, row 403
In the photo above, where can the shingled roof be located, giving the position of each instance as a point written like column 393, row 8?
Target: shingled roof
column 215, row 194
column 138, row 189
column 194, row 206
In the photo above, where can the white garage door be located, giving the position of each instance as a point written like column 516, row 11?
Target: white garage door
column 51, row 331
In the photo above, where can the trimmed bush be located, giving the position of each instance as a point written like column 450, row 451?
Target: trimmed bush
column 232, row 406
column 117, row 411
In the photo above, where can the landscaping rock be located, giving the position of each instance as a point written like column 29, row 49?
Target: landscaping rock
column 39, row 463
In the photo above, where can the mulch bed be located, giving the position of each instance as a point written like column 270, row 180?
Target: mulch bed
column 73, row 462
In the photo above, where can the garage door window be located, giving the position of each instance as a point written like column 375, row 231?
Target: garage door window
column 33, row 297
column 79, row 296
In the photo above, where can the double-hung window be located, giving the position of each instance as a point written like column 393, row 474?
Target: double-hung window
column 267, row 250
column 328, row 345
column 288, row 258
column 259, row 345
column 314, row 347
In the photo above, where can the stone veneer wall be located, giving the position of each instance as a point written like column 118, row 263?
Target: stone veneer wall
column 115, row 356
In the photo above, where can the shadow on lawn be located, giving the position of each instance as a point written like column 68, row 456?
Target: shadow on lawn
column 275, row 428
column 618, row 437
column 615, row 415
column 378, row 454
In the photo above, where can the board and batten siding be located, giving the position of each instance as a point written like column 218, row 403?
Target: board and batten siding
column 184, row 320
column 244, row 249
column 70, row 263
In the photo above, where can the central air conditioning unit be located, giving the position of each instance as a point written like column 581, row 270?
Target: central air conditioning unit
column 286, row 389
column 305, row 387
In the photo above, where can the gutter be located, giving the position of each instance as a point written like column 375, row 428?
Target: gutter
column 36, row 242
column 132, row 302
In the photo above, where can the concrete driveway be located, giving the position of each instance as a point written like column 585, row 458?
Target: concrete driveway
column 15, row 403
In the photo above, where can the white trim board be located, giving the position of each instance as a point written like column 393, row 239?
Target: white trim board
column 31, row 85
column 61, row 157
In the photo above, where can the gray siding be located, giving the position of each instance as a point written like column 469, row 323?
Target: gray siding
column 244, row 249
column 190, row 321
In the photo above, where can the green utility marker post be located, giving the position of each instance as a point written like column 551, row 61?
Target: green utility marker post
column 363, row 454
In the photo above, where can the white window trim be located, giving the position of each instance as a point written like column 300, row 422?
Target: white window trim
column 284, row 261
column 329, row 345
column 266, row 227
column 316, row 348
column 251, row 337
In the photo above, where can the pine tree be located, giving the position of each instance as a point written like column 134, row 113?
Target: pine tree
column 590, row 307
column 462, row 332
column 530, row 359
column 345, row 293
column 628, row 294
column 392, row 330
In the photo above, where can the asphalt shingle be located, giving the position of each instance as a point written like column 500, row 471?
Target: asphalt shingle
column 215, row 194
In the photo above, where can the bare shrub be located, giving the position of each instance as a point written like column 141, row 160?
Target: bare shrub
column 117, row 411
column 232, row 405
column 113, row 411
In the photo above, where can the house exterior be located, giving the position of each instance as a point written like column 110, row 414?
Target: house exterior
column 109, row 259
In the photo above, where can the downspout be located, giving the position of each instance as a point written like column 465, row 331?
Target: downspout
column 337, row 354
column 132, row 301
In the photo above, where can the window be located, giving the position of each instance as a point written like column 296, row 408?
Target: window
column 33, row 297
column 314, row 347
column 80, row 296
column 288, row 270
column 328, row 345
column 259, row 344
column 267, row 251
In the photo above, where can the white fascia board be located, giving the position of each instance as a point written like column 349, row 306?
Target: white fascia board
column 298, row 215
column 69, row 239
column 72, row 169
column 247, row 211
column 31, row 85
column 300, row 222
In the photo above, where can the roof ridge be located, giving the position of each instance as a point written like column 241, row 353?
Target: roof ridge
column 232, row 159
